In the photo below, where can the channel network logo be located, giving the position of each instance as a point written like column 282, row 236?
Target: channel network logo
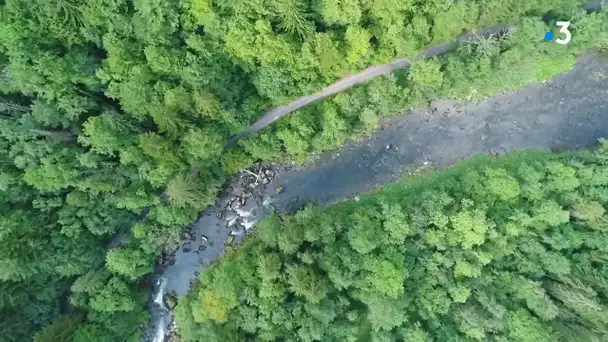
column 563, row 25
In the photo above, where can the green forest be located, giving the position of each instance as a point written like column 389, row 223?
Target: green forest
column 509, row 249
column 114, row 115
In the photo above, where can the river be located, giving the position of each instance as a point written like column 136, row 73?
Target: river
column 570, row 111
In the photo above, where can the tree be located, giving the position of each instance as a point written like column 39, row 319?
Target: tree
column 115, row 295
column 304, row 281
column 426, row 77
column 216, row 307
column 202, row 144
column 358, row 44
column 292, row 17
column 341, row 12
column 386, row 278
column 334, row 131
column 269, row 267
column 363, row 236
column 470, row 226
column 588, row 211
column 130, row 263
column 384, row 313
column 456, row 19
column 502, row 185
column 185, row 190
column 63, row 328
column 106, row 134
column 525, row 327
column 395, row 223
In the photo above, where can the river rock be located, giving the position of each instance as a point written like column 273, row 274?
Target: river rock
column 170, row 301
column 220, row 215
column 234, row 204
column 280, row 188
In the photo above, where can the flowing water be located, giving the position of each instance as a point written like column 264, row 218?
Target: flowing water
column 161, row 315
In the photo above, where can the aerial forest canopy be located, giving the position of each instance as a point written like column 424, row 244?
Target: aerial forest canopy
column 114, row 115
column 511, row 249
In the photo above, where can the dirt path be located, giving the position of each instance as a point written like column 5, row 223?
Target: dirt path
column 365, row 76
column 379, row 70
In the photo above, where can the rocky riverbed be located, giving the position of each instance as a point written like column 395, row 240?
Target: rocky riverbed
column 239, row 206
column 570, row 111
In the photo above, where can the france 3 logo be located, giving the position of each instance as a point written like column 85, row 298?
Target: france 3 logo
column 564, row 33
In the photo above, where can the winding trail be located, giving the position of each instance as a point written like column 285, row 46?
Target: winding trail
column 381, row 70
column 367, row 75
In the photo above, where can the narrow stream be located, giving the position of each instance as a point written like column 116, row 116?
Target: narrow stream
column 570, row 111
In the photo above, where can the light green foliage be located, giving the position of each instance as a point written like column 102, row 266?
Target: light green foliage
column 213, row 306
column 535, row 297
column 358, row 44
column 426, row 78
column 463, row 268
column 588, row 211
column 369, row 119
column 385, row 313
column 340, row 12
column 395, row 223
column 293, row 18
column 269, row 267
column 457, row 18
column 386, row 278
column 549, row 214
column 129, row 263
column 365, row 235
column 470, row 227
column 423, row 261
column 502, row 185
column 304, row 281
column 106, row 134
column 185, row 190
column 415, row 334
column 113, row 296
column 335, row 129
column 202, row 143
column 525, row 327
